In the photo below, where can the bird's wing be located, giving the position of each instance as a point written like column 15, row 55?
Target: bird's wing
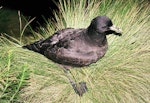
column 61, row 38
column 64, row 35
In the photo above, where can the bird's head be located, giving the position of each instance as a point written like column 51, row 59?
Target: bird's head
column 103, row 25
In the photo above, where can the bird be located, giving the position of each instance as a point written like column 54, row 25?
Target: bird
column 77, row 47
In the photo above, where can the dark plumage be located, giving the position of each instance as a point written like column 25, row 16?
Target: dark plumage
column 77, row 47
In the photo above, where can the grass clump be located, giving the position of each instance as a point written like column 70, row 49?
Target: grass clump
column 122, row 76
column 12, row 76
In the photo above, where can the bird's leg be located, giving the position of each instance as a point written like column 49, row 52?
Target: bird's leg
column 79, row 88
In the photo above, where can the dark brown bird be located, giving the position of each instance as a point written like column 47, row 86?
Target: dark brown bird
column 77, row 47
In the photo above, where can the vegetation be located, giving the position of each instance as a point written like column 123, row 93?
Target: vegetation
column 122, row 76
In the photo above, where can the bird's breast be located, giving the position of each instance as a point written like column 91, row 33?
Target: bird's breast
column 84, row 48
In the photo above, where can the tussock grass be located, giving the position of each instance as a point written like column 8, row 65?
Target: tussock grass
column 122, row 76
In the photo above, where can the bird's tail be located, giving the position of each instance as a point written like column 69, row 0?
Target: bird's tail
column 36, row 46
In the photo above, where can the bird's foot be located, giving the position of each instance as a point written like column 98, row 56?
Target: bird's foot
column 80, row 88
